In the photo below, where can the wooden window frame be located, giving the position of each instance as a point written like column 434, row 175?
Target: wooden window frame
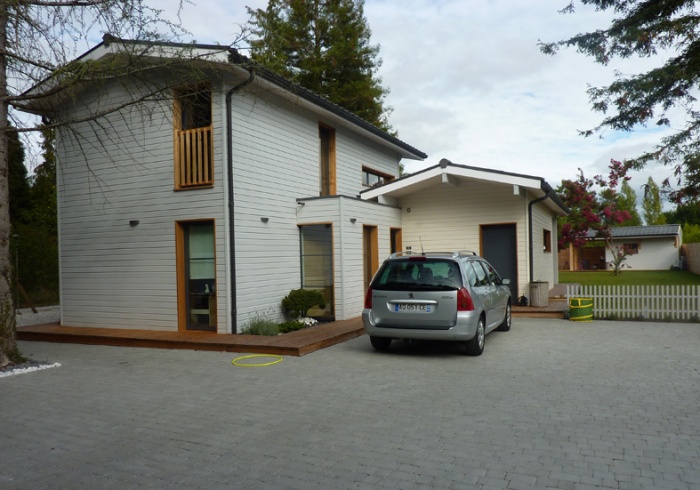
column 383, row 177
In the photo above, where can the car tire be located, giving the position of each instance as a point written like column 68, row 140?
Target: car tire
column 380, row 344
column 505, row 326
column 475, row 346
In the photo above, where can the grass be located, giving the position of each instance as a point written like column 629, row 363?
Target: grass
column 628, row 277
column 261, row 326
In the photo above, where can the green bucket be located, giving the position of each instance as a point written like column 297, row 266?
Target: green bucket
column 581, row 309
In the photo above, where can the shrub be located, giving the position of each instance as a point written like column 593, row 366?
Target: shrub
column 290, row 326
column 299, row 301
column 261, row 326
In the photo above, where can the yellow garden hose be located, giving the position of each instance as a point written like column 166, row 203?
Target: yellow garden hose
column 248, row 364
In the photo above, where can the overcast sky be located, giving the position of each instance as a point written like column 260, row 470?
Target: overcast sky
column 469, row 83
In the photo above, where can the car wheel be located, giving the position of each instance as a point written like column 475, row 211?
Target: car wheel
column 380, row 343
column 475, row 346
column 505, row 326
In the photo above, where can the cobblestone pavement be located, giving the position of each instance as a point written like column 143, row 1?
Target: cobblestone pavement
column 551, row 404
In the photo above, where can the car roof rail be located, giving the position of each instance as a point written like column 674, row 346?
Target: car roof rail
column 410, row 253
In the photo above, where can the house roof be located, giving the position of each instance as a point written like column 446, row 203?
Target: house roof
column 641, row 231
column 451, row 173
column 226, row 56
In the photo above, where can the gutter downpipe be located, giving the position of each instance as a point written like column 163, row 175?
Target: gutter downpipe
column 231, row 220
column 531, row 244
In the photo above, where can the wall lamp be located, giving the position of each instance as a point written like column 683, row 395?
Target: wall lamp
column 353, row 220
column 264, row 219
column 133, row 222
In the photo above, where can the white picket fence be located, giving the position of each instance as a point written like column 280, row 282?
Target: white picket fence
column 648, row 302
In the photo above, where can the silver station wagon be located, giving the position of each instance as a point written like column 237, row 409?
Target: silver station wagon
column 455, row 296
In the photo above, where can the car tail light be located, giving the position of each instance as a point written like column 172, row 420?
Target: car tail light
column 368, row 298
column 464, row 300
column 417, row 258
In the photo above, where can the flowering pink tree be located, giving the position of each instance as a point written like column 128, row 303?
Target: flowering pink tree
column 589, row 212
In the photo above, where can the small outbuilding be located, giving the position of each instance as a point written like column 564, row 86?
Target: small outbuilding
column 655, row 247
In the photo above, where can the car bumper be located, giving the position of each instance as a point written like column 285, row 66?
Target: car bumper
column 463, row 330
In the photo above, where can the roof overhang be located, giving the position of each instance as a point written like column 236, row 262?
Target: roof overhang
column 49, row 93
column 447, row 172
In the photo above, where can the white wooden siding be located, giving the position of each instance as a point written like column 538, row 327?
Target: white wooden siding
column 352, row 155
column 112, row 274
column 543, row 262
column 276, row 162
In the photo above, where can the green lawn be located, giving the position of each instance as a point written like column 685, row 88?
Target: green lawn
column 628, row 277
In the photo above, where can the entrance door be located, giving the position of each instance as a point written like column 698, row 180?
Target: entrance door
column 370, row 253
column 499, row 248
column 197, row 275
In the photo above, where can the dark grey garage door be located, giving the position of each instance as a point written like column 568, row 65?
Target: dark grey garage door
column 499, row 246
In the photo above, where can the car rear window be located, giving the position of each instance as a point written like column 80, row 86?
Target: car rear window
column 429, row 274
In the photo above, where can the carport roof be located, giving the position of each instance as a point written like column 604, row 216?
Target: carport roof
column 448, row 172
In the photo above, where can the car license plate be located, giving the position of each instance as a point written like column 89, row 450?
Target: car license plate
column 409, row 307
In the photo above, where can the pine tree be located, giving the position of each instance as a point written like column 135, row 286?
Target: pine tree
column 642, row 28
column 651, row 205
column 324, row 46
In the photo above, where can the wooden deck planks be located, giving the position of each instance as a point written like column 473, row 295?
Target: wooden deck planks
column 297, row 343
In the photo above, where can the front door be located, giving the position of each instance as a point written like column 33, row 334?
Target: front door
column 370, row 253
column 499, row 248
column 197, row 275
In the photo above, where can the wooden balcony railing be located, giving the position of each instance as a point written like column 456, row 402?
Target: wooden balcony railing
column 194, row 157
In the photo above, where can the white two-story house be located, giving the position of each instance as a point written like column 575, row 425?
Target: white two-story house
column 200, row 207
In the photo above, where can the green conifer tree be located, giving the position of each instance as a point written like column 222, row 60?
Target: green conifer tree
column 324, row 46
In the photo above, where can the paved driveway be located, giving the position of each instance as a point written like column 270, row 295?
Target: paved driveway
column 551, row 404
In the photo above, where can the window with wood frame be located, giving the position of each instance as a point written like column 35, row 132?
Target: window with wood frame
column 194, row 151
column 547, row 238
column 371, row 177
column 327, row 182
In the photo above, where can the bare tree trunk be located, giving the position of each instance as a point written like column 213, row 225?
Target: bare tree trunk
column 8, row 338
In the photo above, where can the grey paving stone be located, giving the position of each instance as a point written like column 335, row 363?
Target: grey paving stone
column 550, row 404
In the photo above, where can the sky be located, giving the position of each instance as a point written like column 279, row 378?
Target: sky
column 468, row 82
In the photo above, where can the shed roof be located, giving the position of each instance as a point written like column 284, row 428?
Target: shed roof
column 641, row 231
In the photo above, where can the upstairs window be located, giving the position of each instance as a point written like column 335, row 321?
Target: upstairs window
column 327, row 182
column 371, row 177
column 193, row 138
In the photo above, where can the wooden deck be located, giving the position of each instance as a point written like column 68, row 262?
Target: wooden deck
column 297, row 343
